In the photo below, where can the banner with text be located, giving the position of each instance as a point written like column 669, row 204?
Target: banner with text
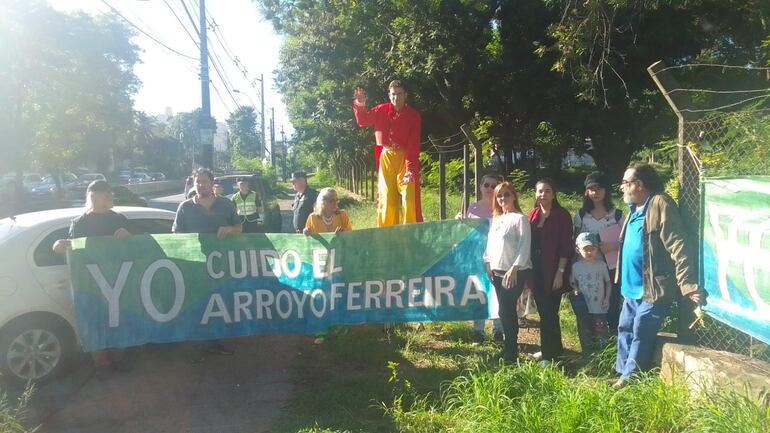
column 735, row 252
column 165, row 288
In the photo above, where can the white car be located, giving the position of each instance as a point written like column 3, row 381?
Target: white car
column 38, row 333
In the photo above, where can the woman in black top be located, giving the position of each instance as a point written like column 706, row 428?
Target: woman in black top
column 98, row 220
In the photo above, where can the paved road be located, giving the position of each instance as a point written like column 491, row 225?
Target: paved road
column 166, row 389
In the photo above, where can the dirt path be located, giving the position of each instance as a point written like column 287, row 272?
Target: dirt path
column 172, row 388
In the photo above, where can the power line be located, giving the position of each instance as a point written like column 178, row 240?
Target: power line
column 116, row 12
column 221, row 99
column 179, row 20
column 189, row 15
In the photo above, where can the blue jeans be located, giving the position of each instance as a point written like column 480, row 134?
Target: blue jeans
column 638, row 328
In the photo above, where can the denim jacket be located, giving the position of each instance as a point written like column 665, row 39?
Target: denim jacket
column 669, row 262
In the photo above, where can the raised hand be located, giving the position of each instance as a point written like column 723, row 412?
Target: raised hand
column 360, row 96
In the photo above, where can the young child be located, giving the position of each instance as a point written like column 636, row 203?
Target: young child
column 590, row 295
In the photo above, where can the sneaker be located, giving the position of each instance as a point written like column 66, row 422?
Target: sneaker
column 537, row 356
column 545, row 363
column 498, row 337
column 478, row 337
column 219, row 349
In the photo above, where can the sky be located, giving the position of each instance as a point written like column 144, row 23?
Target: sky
column 170, row 80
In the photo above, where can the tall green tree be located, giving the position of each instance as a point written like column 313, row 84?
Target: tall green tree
column 539, row 74
column 243, row 137
column 66, row 82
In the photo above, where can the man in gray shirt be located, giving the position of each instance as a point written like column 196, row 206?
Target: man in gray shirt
column 207, row 213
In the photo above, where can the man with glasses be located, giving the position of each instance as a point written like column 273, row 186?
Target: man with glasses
column 655, row 265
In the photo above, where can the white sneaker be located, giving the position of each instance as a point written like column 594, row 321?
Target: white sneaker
column 537, row 356
column 545, row 363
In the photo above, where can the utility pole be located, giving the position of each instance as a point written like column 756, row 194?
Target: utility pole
column 283, row 153
column 262, row 110
column 272, row 137
column 205, row 122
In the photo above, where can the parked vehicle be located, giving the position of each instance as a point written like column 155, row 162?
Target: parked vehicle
column 38, row 332
column 90, row 177
column 46, row 189
column 121, row 196
column 31, row 180
column 157, row 176
column 140, row 178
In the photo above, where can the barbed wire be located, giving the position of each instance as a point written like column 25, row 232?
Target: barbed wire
column 704, row 110
column 712, row 65
column 721, row 92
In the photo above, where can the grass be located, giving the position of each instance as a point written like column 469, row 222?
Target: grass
column 397, row 378
column 12, row 414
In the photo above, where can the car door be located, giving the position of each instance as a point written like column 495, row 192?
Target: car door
column 49, row 268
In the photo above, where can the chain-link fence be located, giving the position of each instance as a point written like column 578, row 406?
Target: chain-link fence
column 724, row 130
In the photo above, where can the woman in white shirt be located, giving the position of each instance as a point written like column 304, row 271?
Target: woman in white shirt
column 507, row 260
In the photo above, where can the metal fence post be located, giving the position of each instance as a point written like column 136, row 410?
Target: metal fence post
column 466, row 181
column 479, row 158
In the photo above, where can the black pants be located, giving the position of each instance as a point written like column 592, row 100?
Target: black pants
column 507, row 299
column 550, row 329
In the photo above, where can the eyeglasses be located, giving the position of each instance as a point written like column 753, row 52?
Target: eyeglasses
column 625, row 183
column 504, row 195
column 489, row 185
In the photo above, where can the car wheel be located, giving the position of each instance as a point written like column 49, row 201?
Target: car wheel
column 35, row 349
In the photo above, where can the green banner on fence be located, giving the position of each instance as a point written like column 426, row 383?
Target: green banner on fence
column 165, row 288
column 735, row 252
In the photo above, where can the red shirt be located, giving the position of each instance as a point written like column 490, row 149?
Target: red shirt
column 395, row 129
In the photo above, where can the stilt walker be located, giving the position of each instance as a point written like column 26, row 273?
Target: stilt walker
column 397, row 133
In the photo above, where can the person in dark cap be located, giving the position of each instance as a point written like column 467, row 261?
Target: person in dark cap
column 304, row 199
column 599, row 217
column 98, row 219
